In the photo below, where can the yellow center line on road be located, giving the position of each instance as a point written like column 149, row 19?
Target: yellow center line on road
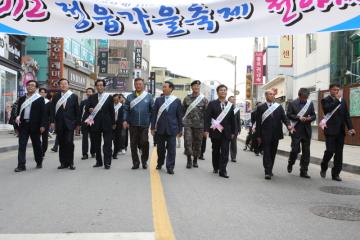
column 161, row 220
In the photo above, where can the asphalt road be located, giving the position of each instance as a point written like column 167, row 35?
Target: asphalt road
column 200, row 205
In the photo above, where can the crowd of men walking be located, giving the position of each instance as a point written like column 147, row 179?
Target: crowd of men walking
column 109, row 118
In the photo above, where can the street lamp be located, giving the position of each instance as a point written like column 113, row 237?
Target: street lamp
column 231, row 59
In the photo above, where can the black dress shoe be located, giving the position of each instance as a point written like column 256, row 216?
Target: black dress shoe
column 323, row 174
column 93, row 155
column 215, row 171
column 97, row 165
column 39, row 165
column 336, row 178
column 224, row 175
column 53, row 149
column 257, row 154
column 84, row 157
column 245, row 148
column 233, row 160
column 304, row 175
column 144, row 166
column 135, row 167
column 114, row 157
column 61, row 167
column 289, row 168
column 19, row 169
column 201, row 157
column 107, row 167
column 158, row 167
column 170, row 171
column 267, row 176
column 72, row 167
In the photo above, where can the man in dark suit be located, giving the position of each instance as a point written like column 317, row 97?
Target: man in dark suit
column 301, row 113
column 220, row 129
column 118, row 121
column 233, row 141
column 65, row 120
column 337, row 115
column 32, row 122
column 45, row 135
column 85, row 129
column 270, row 116
column 101, row 105
column 166, row 122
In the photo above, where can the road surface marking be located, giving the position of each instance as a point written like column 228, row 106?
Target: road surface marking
column 162, row 224
column 79, row 236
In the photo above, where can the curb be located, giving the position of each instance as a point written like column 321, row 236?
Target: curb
column 314, row 160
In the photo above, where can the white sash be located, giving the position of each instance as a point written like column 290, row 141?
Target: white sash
column 138, row 99
column 236, row 110
column 62, row 100
column 327, row 117
column 215, row 124
column 46, row 100
column 193, row 105
column 27, row 103
column 164, row 106
column 269, row 111
column 301, row 113
column 116, row 108
column 90, row 119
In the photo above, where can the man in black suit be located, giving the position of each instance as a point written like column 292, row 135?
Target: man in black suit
column 301, row 113
column 337, row 116
column 32, row 122
column 45, row 135
column 221, row 127
column 65, row 119
column 117, row 141
column 270, row 116
column 85, row 129
column 102, row 121
column 233, row 141
column 166, row 122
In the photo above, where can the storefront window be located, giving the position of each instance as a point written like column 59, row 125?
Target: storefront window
column 8, row 92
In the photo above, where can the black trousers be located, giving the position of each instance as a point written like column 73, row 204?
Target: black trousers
column 270, row 147
column 124, row 138
column 166, row 144
column 86, row 134
column 44, row 141
column 220, row 153
column 334, row 147
column 107, row 135
column 25, row 132
column 233, row 148
column 116, row 140
column 139, row 139
column 305, row 152
column 203, row 146
column 66, row 146
column 255, row 146
column 56, row 144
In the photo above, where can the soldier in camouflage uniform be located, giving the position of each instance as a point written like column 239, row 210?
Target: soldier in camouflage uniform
column 193, row 122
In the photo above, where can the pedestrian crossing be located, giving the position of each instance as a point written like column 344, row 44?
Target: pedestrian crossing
column 80, row 236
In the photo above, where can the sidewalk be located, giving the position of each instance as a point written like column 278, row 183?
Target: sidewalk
column 351, row 153
column 9, row 142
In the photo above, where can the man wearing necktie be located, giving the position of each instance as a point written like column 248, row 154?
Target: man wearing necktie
column 221, row 132
column 65, row 120
column 269, row 131
column 167, row 127
column 302, row 133
column 103, row 126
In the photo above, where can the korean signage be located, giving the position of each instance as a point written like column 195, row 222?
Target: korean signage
column 56, row 62
column 116, row 83
column 258, row 68
column 77, row 79
column 248, row 85
column 103, row 60
column 152, row 82
column 124, row 69
column 104, row 19
column 286, row 51
column 138, row 58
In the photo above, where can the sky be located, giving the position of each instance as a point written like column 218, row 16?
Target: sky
column 189, row 58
